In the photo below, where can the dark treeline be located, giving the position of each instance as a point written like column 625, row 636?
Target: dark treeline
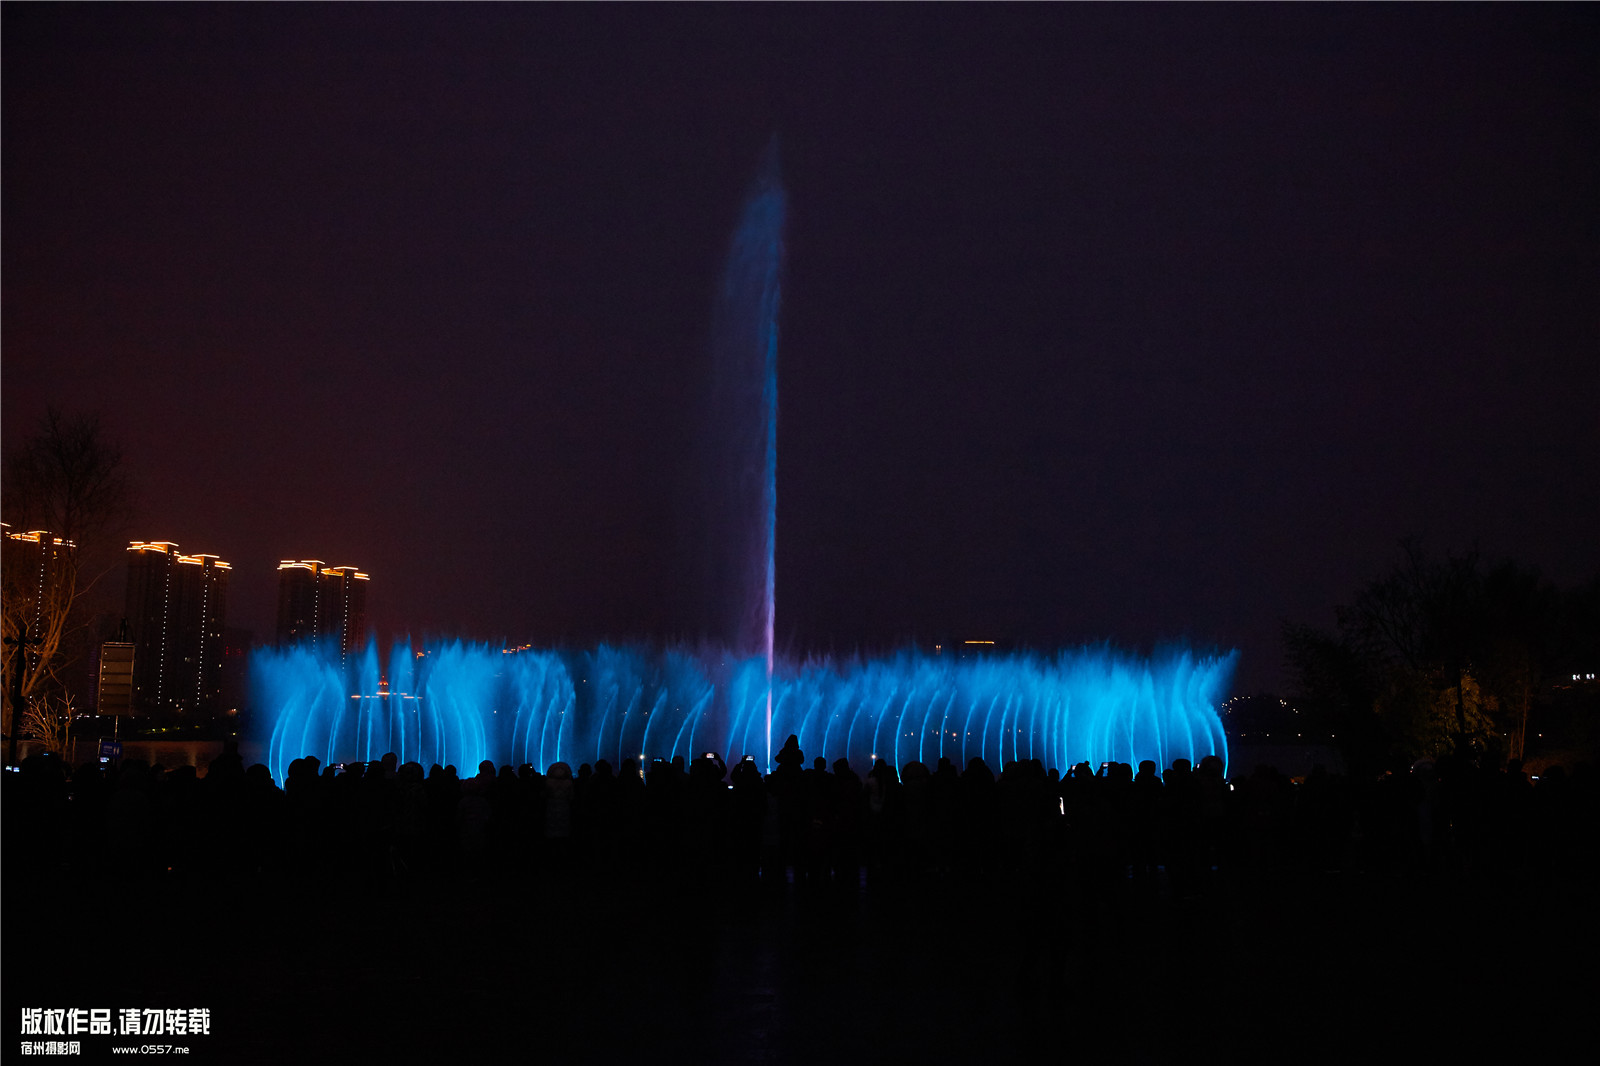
column 387, row 825
column 1484, row 660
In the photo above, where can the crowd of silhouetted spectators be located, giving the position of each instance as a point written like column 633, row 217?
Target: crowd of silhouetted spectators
column 1173, row 831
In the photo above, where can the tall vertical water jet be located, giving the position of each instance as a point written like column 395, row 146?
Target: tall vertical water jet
column 743, row 427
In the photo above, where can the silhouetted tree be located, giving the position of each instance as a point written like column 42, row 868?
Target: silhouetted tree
column 1439, row 654
column 66, row 481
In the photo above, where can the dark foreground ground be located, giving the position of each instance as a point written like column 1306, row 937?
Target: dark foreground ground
column 562, row 966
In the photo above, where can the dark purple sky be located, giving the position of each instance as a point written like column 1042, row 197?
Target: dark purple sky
column 1124, row 322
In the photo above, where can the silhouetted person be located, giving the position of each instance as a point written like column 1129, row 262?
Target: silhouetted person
column 747, row 813
column 786, row 784
column 412, row 822
column 820, row 804
column 885, row 822
column 1183, row 835
column 560, row 796
column 1144, row 823
column 474, row 810
column 979, row 813
column 849, row 803
column 706, row 813
column 916, row 792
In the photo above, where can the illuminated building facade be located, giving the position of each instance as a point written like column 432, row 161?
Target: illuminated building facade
column 37, row 575
column 318, row 602
column 176, row 609
column 37, row 570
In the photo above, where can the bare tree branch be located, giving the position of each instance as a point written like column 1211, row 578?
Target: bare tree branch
column 67, row 483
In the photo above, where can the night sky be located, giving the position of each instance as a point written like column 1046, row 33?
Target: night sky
column 1099, row 322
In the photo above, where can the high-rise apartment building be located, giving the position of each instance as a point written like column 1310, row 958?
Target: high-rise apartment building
column 36, row 569
column 176, row 610
column 318, row 602
column 37, row 572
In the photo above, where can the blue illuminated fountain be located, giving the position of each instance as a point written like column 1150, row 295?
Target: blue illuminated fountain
column 460, row 703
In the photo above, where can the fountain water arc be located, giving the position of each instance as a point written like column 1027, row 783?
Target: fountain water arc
column 455, row 702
